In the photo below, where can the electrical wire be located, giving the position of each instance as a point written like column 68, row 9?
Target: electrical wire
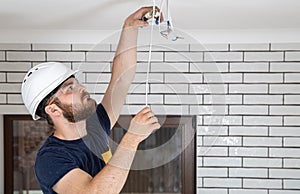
column 149, row 56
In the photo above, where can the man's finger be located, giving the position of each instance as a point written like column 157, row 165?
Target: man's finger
column 153, row 120
column 145, row 110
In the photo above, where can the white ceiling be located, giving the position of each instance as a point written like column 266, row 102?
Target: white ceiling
column 186, row 14
column 220, row 20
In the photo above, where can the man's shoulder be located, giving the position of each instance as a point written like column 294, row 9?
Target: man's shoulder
column 53, row 146
column 48, row 147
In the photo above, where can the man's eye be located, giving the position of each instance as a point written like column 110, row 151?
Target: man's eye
column 70, row 89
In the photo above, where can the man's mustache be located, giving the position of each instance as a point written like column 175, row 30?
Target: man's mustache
column 84, row 94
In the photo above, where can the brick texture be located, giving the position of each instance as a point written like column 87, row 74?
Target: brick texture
column 245, row 98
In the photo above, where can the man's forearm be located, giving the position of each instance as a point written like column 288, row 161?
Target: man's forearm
column 124, row 65
column 124, row 62
column 123, row 71
column 112, row 177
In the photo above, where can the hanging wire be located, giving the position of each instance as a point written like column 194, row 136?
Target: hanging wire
column 149, row 55
column 168, row 33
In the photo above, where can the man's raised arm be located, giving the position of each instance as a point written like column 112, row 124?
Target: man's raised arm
column 124, row 65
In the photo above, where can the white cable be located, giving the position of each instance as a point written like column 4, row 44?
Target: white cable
column 149, row 55
column 160, row 13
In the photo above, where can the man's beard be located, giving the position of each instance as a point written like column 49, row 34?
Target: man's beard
column 78, row 112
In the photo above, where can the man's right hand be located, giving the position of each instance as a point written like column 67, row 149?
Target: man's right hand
column 135, row 19
column 143, row 124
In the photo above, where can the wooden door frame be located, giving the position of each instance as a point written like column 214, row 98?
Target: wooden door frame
column 188, row 155
column 8, row 150
column 188, row 175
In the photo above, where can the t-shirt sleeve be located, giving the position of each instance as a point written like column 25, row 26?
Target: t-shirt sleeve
column 51, row 165
column 103, row 118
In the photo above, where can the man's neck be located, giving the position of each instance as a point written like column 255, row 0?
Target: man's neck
column 71, row 131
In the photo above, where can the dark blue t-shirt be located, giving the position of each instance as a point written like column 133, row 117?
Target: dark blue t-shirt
column 57, row 157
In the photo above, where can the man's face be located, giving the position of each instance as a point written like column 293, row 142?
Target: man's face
column 74, row 101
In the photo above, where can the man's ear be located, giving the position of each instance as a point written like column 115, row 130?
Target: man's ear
column 53, row 110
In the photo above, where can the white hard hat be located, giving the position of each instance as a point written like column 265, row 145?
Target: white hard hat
column 40, row 81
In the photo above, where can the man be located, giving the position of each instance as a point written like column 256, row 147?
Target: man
column 76, row 157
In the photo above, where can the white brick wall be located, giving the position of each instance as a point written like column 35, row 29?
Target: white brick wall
column 65, row 56
column 14, row 47
column 250, row 47
column 292, row 56
column 183, row 56
column 169, row 67
column 263, row 56
column 25, row 56
column 209, row 47
column 248, row 131
column 208, row 67
column 50, row 47
column 284, row 67
column 245, row 97
column 223, row 56
column 248, row 88
column 249, row 67
column 2, row 56
column 262, row 162
column 91, row 47
column 15, row 66
column 285, row 46
column 2, row 77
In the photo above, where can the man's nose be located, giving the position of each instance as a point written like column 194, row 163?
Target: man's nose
column 81, row 88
